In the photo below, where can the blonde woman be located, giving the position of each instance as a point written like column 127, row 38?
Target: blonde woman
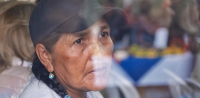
column 16, row 49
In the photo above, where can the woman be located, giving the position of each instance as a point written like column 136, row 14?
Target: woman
column 73, row 49
column 16, row 48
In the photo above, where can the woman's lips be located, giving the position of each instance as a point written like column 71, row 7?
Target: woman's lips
column 99, row 65
column 100, row 69
column 97, row 70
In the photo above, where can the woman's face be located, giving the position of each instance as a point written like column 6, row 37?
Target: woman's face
column 82, row 60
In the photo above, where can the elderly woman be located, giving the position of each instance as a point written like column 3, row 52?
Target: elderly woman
column 73, row 49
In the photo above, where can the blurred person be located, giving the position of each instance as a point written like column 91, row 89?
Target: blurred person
column 183, row 32
column 184, row 26
column 149, row 15
column 187, row 15
column 73, row 49
column 16, row 48
column 194, row 45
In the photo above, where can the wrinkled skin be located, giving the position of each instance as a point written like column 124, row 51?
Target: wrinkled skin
column 82, row 60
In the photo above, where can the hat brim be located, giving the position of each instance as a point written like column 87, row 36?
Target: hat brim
column 87, row 18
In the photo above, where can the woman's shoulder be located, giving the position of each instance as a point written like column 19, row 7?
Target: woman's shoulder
column 37, row 89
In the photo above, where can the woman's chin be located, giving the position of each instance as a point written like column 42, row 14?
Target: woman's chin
column 99, row 85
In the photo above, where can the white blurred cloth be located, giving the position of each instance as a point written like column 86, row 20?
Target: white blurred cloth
column 119, row 80
column 14, row 79
column 37, row 89
column 161, row 38
column 180, row 65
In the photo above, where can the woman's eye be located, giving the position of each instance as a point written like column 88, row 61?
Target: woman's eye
column 79, row 41
column 104, row 34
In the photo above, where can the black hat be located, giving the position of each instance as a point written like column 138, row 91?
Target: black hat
column 64, row 16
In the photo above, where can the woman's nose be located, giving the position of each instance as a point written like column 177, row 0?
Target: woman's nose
column 97, row 49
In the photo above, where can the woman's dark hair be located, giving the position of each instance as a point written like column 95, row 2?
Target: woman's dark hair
column 41, row 72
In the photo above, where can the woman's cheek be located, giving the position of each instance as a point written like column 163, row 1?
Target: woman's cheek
column 78, row 48
column 107, row 43
column 109, row 48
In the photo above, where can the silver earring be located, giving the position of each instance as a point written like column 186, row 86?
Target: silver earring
column 51, row 76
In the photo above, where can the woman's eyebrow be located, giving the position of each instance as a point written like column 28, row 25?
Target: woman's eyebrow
column 81, row 34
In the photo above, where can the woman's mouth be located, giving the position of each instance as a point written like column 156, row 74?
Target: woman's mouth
column 100, row 65
column 97, row 71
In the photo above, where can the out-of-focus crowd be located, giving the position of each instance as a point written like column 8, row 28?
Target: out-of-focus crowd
column 159, row 46
column 159, row 43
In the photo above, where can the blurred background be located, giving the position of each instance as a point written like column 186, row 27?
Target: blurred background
column 157, row 54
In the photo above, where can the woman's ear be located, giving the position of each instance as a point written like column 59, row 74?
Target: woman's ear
column 45, row 57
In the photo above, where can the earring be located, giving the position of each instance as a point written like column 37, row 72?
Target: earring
column 67, row 96
column 51, row 76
